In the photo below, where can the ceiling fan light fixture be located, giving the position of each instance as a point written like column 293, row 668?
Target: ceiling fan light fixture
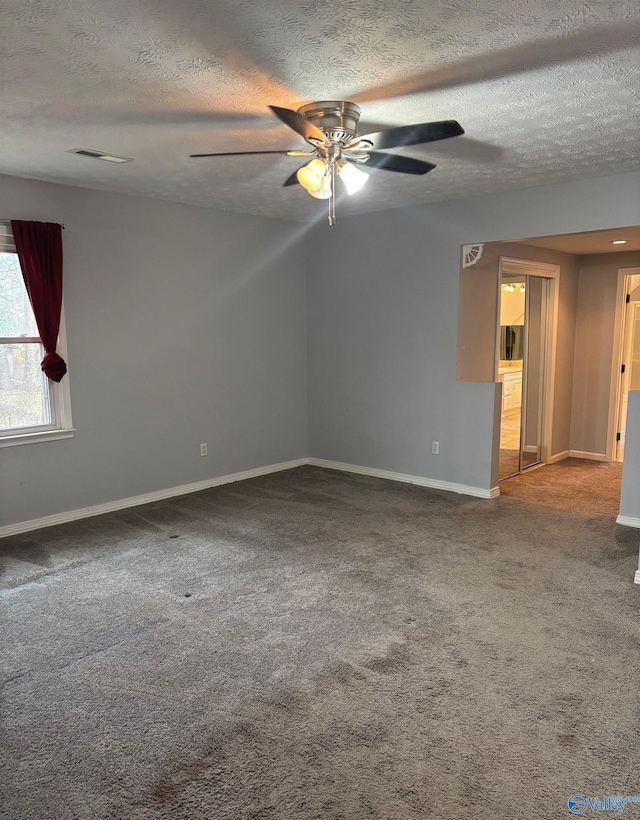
column 353, row 178
column 311, row 175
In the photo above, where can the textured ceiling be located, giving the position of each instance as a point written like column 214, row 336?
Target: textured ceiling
column 547, row 91
column 590, row 242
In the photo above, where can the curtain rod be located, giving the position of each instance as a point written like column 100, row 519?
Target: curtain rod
column 7, row 223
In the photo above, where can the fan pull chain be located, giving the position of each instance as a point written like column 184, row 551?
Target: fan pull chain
column 332, row 198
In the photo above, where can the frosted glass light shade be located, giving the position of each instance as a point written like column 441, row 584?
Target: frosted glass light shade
column 310, row 176
column 353, row 178
column 324, row 191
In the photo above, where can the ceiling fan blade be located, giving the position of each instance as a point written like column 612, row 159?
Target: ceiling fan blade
column 403, row 165
column 509, row 62
column 248, row 153
column 413, row 134
column 299, row 124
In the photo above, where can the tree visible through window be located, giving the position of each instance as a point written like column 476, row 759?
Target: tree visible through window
column 31, row 405
column 25, row 392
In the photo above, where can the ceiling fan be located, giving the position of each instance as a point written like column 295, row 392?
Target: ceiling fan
column 330, row 129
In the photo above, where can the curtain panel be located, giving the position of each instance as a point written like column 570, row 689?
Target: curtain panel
column 39, row 249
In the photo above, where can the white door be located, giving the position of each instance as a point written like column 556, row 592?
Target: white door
column 630, row 377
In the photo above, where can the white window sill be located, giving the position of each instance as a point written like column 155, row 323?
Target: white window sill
column 34, row 437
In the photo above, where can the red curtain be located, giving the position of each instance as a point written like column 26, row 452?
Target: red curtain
column 39, row 248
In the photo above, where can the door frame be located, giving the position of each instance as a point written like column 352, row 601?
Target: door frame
column 511, row 266
column 615, row 390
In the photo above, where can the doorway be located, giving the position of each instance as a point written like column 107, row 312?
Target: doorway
column 585, row 280
column 523, row 362
column 630, row 364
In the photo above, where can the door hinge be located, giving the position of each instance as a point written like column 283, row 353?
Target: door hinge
column 628, row 299
column 618, row 436
column 623, row 368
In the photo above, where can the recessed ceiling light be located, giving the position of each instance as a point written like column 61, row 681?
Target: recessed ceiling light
column 618, row 241
column 89, row 152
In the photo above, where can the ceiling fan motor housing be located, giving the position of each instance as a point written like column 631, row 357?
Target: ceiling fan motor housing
column 337, row 119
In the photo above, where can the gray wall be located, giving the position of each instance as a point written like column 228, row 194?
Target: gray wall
column 595, row 340
column 382, row 313
column 188, row 325
column 184, row 325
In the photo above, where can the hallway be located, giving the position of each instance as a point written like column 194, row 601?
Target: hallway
column 572, row 484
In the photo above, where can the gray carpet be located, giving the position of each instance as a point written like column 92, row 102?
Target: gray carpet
column 313, row 644
column 573, row 484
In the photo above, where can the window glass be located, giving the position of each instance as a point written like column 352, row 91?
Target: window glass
column 25, row 393
column 16, row 316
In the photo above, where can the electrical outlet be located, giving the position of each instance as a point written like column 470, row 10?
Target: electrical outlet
column 435, row 448
column 203, row 449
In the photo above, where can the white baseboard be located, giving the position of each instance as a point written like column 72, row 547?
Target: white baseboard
column 147, row 498
column 171, row 492
column 636, row 580
column 558, row 456
column 573, row 454
column 590, row 456
column 420, row 481
column 626, row 521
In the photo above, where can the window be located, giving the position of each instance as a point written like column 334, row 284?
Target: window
column 32, row 408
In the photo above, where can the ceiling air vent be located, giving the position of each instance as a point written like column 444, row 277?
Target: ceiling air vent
column 89, row 152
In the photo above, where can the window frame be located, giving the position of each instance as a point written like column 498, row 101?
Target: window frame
column 61, row 424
